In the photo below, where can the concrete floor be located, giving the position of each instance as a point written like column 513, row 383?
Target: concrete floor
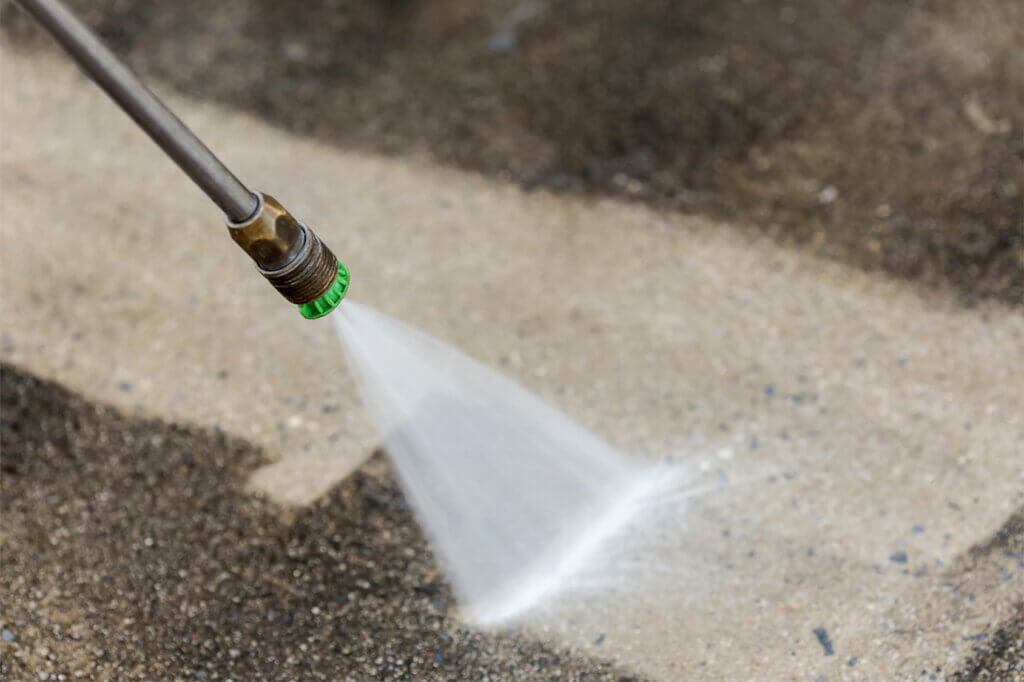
column 886, row 408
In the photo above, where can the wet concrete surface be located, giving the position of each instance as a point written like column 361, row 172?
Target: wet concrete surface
column 133, row 552
column 893, row 414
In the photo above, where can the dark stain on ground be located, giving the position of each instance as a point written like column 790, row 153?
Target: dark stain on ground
column 132, row 553
column 886, row 134
column 999, row 656
column 1008, row 540
column 1001, row 659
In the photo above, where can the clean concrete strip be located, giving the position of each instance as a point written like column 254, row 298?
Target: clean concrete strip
column 668, row 335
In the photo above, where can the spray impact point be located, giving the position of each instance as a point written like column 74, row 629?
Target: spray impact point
column 292, row 258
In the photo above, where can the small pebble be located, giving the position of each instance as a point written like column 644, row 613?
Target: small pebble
column 824, row 640
column 898, row 557
column 7, row 635
column 600, row 639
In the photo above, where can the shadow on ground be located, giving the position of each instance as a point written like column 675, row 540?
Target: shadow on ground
column 889, row 135
column 131, row 552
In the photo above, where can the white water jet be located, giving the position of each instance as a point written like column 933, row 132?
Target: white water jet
column 515, row 496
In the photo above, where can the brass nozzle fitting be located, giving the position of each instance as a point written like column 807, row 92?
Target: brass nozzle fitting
column 290, row 256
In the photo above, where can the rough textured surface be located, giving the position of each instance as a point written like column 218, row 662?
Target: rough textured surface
column 997, row 652
column 1001, row 656
column 893, row 418
column 132, row 553
column 887, row 134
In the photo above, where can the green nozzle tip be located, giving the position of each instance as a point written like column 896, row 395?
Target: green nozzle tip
column 331, row 298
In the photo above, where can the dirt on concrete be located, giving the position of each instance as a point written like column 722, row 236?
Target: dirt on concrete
column 889, row 135
column 132, row 553
column 1008, row 540
column 1000, row 657
column 997, row 655
column 884, row 134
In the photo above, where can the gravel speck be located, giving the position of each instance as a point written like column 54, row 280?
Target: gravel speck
column 898, row 557
column 824, row 641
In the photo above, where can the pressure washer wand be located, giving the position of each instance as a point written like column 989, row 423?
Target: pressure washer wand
column 288, row 253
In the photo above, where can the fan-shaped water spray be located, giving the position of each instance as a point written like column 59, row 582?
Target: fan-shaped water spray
column 515, row 495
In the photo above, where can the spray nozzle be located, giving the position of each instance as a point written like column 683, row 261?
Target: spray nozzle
column 287, row 253
column 292, row 258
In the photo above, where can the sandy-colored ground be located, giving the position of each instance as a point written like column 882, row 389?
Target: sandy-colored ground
column 886, row 411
